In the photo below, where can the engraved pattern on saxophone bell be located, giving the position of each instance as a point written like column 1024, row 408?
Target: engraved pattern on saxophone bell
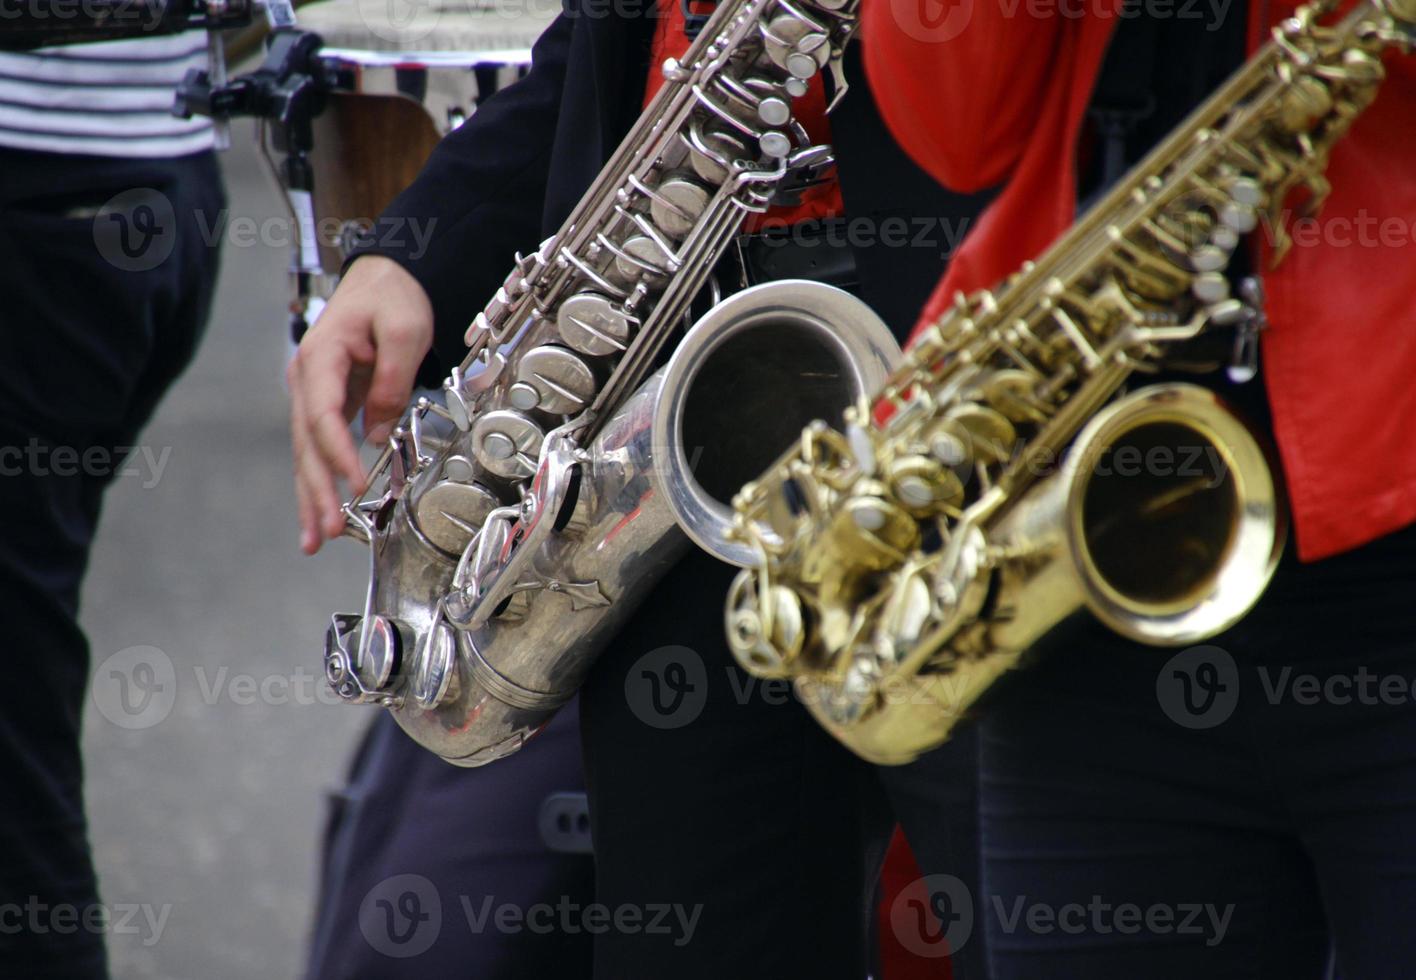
column 907, row 562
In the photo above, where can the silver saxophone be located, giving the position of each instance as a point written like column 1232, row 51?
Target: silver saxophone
column 513, row 526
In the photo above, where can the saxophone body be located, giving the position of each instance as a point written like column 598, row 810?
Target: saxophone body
column 907, row 562
column 515, row 522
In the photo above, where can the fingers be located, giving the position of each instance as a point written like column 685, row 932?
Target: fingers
column 321, row 441
column 330, row 450
column 305, row 506
column 401, row 346
column 364, row 351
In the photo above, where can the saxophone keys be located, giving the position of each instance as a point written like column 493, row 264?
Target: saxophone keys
column 1305, row 102
column 872, row 532
column 450, row 512
column 775, row 144
column 948, row 443
column 1239, row 217
column 711, row 152
column 677, row 205
column 1209, row 258
column 593, row 324
column 641, row 256
column 462, row 390
column 1010, row 393
column 1246, row 191
column 990, row 436
column 382, row 654
column 925, row 486
column 1362, row 68
column 1210, row 287
column 554, row 380
column 908, row 609
column 436, row 653
column 792, row 45
column 507, row 443
column 774, row 111
column 764, row 641
column 1224, row 237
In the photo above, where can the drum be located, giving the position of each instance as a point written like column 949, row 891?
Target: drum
column 401, row 74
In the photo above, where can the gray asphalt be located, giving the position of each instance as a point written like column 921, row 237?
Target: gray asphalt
column 208, row 801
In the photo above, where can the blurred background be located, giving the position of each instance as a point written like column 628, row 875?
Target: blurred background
column 213, row 806
column 211, row 742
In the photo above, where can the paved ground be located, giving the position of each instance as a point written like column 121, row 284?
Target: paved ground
column 213, row 806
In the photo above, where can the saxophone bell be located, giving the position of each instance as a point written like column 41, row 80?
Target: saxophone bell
column 473, row 668
column 1163, row 520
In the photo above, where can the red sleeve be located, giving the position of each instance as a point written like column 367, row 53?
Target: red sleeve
column 983, row 95
column 960, row 83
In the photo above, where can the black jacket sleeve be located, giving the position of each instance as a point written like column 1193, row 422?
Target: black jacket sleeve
column 478, row 199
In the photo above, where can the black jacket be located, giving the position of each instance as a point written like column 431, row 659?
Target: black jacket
column 509, row 176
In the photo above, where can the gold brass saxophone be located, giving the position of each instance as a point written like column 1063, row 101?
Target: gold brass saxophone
column 907, row 562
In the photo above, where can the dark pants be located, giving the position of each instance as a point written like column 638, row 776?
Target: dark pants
column 733, row 837
column 719, row 797
column 1251, row 804
column 431, row 870
column 101, row 311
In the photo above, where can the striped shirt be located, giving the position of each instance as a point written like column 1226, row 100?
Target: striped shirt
column 111, row 98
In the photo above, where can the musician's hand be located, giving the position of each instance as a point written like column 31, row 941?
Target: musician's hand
column 363, row 351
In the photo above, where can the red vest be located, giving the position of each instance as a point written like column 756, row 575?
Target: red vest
column 980, row 93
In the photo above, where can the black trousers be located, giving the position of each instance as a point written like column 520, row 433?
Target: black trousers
column 106, row 268
column 732, row 836
column 721, row 798
column 1242, row 809
column 431, row 870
